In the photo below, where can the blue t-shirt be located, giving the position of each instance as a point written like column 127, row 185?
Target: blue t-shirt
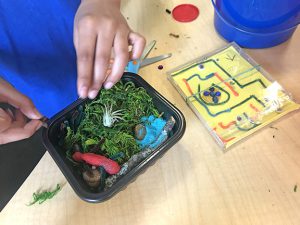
column 37, row 55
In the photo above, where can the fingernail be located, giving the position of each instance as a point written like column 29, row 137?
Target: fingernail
column 108, row 85
column 35, row 114
column 93, row 94
column 83, row 92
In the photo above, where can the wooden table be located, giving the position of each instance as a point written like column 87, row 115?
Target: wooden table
column 195, row 182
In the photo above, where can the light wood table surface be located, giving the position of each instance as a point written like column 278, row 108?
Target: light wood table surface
column 195, row 182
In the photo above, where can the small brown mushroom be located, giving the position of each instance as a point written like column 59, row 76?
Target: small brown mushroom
column 92, row 177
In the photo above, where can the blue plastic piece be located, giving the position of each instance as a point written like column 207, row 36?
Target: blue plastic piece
column 154, row 127
column 133, row 66
column 161, row 138
column 255, row 33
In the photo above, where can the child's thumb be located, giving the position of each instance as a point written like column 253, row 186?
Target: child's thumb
column 13, row 97
column 30, row 111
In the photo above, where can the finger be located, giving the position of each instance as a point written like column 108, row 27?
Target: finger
column 138, row 43
column 86, row 43
column 11, row 96
column 102, row 61
column 120, row 61
column 16, row 134
column 5, row 120
column 75, row 37
column 10, row 113
column 20, row 120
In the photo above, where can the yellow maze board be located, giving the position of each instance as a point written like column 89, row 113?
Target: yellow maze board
column 231, row 94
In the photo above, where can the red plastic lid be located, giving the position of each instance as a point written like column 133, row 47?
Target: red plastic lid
column 185, row 13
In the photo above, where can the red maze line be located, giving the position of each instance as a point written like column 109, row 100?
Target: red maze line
column 254, row 108
column 227, row 125
column 222, row 139
column 227, row 84
column 188, row 86
column 234, row 122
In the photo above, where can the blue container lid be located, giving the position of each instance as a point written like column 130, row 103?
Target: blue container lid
column 278, row 14
column 250, row 37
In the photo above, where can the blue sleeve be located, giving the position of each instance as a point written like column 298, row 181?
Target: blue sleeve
column 37, row 55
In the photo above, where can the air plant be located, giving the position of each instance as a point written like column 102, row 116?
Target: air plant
column 110, row 117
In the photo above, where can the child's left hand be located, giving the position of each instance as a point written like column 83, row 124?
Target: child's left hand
column 23, row 122
column 99, row 30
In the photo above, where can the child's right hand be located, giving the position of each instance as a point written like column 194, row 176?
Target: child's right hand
column 15, row 125
column 99, row 30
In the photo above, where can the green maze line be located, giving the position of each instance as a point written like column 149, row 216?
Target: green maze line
column 213, row 104
column 231, row 77
column 205, row 105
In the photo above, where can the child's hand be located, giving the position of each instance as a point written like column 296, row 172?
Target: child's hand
column 99, row 30
column 14, row 125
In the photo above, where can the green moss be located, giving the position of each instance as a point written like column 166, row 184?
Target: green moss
column 134, row 103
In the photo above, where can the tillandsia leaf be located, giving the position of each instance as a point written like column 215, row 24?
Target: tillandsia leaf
column 45, row 195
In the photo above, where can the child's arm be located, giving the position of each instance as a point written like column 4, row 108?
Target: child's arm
column 99, row 30
column 15, row 126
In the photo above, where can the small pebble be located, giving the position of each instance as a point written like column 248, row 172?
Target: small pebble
column 239, row 118
column 201, row 66
column 140, row 131
column 160, row 67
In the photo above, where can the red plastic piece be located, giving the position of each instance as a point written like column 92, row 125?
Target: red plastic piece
column 109, row 165
column 185, row 13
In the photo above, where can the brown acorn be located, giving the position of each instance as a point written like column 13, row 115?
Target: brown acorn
column 140, row 131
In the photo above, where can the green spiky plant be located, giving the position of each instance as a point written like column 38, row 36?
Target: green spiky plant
column 116, row 142
column 41, row 197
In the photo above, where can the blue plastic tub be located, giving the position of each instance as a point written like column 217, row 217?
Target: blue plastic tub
column 250, row 37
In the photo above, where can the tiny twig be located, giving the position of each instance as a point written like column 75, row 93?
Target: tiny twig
column 273, row 127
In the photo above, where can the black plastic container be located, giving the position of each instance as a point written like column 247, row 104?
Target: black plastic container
column 50, row 141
